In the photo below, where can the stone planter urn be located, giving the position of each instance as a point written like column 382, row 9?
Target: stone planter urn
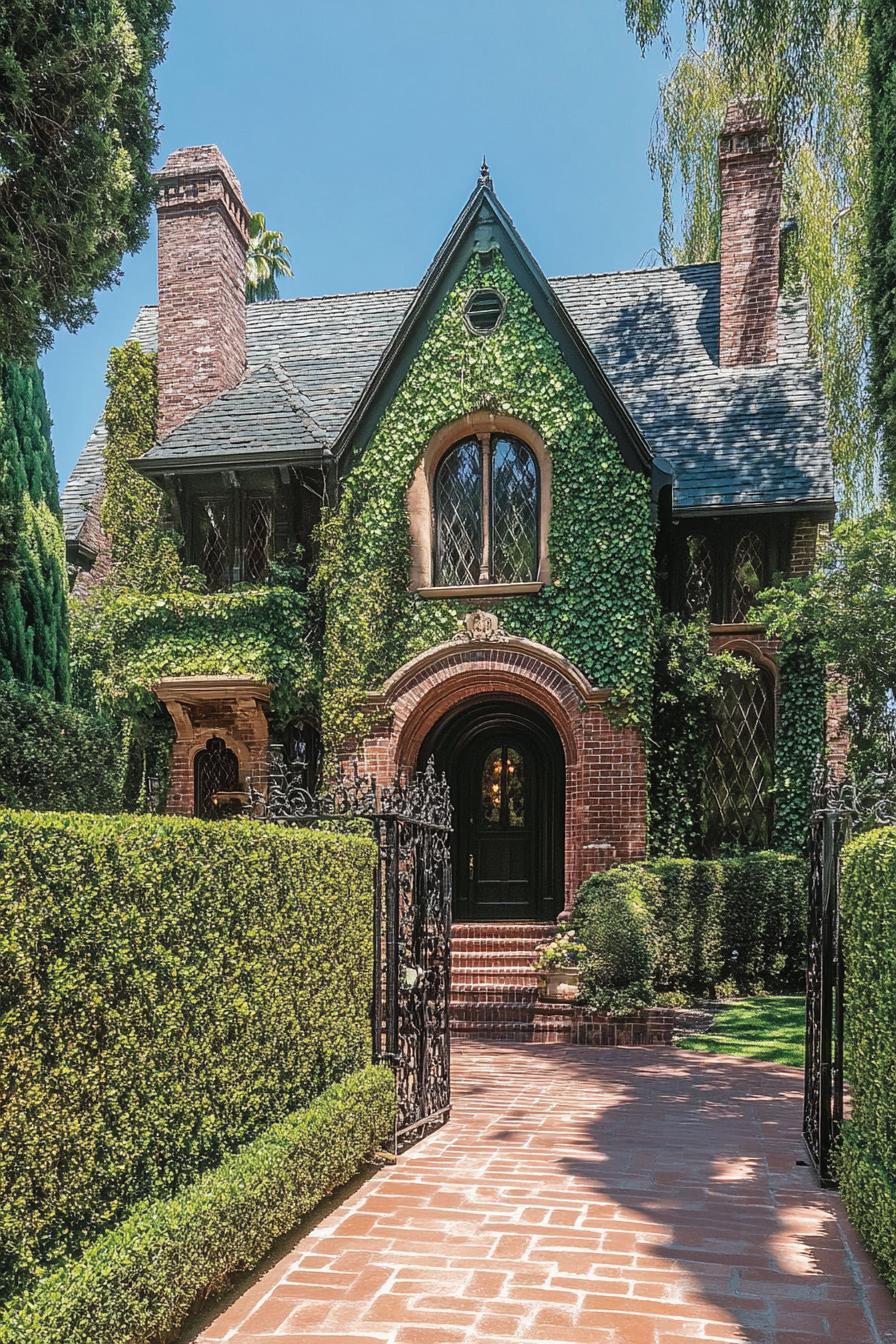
column 559, row 984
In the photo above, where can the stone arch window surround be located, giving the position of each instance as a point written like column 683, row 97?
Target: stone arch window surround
column 420, row 500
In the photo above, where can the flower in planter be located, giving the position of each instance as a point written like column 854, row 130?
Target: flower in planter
column 561, row 952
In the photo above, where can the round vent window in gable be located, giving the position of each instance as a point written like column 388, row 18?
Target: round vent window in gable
column 483, row 311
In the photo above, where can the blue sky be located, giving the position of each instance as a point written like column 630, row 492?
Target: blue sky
column 359, row 127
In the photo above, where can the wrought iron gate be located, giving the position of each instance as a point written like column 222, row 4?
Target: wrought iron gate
column 839, row 808
column 411, row 825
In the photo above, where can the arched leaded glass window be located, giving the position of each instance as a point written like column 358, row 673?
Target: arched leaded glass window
column 486, row 505
column 514, row 512
column 698, row 579
column 740, row 773
column 458, row 506
column 746, row 575
column 216, row 770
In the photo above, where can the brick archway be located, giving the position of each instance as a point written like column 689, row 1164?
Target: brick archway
column 605, row 812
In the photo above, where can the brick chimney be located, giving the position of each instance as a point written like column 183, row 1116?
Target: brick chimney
column 750, row 240
column 203, row 236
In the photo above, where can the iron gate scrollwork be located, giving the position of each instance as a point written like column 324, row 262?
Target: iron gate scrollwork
column 839, row 808
column 411, row 823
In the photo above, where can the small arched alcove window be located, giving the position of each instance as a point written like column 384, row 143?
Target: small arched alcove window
column 215, row 770
column 486, row 513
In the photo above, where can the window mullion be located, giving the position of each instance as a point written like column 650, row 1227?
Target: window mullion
column 485, row 449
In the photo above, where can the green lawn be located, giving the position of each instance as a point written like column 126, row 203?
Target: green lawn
column 763, row 1028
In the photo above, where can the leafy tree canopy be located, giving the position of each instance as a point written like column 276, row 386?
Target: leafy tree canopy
column 807, row 61
column 33, row 581
column 847, row 610
column 266, row 258
column 78, row 131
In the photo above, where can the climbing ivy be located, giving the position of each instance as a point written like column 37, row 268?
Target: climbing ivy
column 144, row 555
column 151, row 617
column 687, row 680
column 33, row 619
column 598, row 609
column 800, row 740
column 123, row 642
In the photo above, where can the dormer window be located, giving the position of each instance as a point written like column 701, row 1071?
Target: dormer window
column 486, row 513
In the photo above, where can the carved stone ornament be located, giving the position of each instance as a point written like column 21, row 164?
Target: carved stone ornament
column 481, row 627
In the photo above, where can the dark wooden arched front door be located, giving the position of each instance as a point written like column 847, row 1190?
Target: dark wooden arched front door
column 504, row 764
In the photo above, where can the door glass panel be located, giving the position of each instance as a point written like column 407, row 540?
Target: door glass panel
column 514, row 786
column 503, row 789
column 491, row 788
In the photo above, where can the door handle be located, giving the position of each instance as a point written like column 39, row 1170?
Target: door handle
column 471, row 867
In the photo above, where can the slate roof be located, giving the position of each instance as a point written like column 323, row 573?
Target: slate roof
column 745, row 437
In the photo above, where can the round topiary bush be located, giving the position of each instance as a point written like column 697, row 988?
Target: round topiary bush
column 612, row 920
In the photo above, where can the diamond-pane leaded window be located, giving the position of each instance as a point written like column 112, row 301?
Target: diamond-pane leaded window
column 459, row 514
column 514, row 512
column 698, row 578
column 486, row 513
column 740, row 773
column 258, row 537
column 213, row 531
column 746, row 579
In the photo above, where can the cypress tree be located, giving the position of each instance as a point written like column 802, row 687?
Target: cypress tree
column 880, row 24
column 33, row 582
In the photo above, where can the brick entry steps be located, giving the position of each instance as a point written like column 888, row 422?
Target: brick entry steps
column 494, row 995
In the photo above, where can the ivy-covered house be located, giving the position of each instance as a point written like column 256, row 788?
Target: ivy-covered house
column 495, row 484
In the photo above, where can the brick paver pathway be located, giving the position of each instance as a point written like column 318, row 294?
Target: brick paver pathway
column 582, row 1196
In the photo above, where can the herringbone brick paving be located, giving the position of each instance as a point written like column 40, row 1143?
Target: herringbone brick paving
column 583, row 1196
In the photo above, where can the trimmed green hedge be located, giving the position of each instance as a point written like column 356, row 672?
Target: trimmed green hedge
column 168, row 990
column 740, row 920
column 53, row 756
column 611, row 919
column 867, row 1158
column 139, row 1281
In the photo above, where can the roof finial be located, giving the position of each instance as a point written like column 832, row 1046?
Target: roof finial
column 485, row 177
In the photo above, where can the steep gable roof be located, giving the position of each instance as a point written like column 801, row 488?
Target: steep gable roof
column 750, row 437
column 482, row 227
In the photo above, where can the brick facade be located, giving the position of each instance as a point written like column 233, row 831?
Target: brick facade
column 231, row 708
column 804, row 547
column 203, row 237
column 606, row 785
column 750, row 239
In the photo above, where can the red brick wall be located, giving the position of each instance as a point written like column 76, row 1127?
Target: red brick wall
column 750, row 239
column 203, row 234
column 245, row 732
column 606, row 785
column 804, row 547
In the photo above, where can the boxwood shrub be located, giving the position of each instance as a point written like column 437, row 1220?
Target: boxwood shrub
column 738, row 922
column 55, row 756
column 612, row 921
column 168, row 990
column 138, row 1281
column 867, row 1157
